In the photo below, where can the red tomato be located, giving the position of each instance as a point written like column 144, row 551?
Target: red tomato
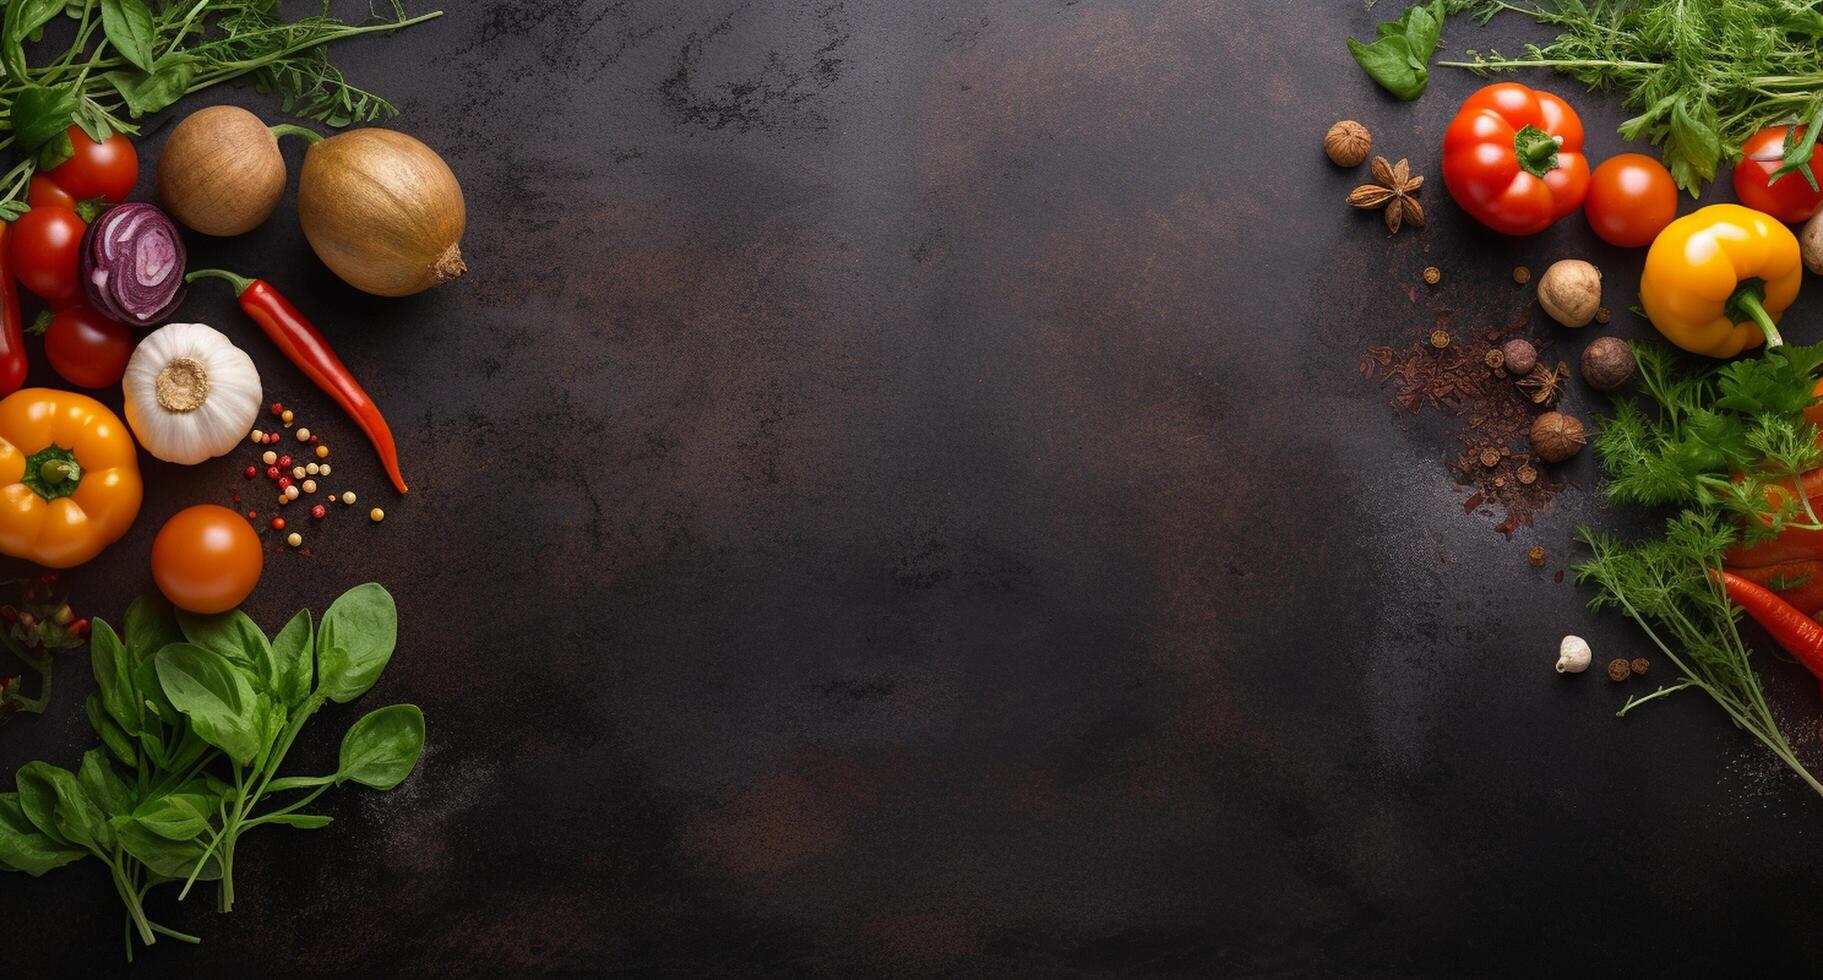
column 1790, row 199
column 44, row 192
column 1631, row 199
column 88, row 349
column 43, row 246
column 107, row 169
column 207, row 559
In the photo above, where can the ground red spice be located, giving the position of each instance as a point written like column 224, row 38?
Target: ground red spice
column 1495, row 414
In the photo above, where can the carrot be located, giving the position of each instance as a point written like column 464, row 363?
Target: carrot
column 1800, row 635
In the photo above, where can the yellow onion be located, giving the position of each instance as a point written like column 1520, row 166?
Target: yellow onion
column 220, row 172
column 383, row 211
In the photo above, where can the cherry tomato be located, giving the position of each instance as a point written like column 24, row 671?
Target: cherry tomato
column 1631, row 199
column 207, row 559
column 107, row 169
column 88, row 349
column 1790, row 199
column 44, row 192
column 43, row 246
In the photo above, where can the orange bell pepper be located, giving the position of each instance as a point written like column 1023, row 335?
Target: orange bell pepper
column 1717, row 279
column 69, row 477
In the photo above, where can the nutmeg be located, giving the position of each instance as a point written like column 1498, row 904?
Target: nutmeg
column 1348, row 143
column 1557, row 437
column 1521, row 356
column 1607, row 363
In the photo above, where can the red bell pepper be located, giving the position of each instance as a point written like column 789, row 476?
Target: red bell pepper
column 1513, row 158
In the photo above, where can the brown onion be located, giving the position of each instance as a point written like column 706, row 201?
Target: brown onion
column 383, row 211
column 221, row 172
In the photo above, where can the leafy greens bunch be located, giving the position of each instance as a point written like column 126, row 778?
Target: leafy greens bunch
column 134, row 57
column 1703, row 75
column 1727, row 445
column 196, row 715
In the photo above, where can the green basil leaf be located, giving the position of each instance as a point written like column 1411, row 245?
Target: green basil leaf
column 1423, row 28
column 214, row 696
column 41, row 114
column 114, row 677
column 284, row 783
column 75, row 818
column 234, row 636
column 24, row 19
column 165, row 858
column 1388, row 61
column 355, row 641
column 302, row 821
column 177, row 817
column 154, row 748
column 151, row 625
column 152, row 695
column 117, row 741
column 381, row 749
column 294, row 660
column 128, row 25
column 105, row 788
column 270, row 716
column 54, row 152
column 149, row 92
column 23, row 847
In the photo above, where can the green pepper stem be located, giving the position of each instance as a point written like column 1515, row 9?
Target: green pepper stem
column 1747, row 301
column 1536, row 150
column 286, row 129
column 55, row 471
column 241, row 283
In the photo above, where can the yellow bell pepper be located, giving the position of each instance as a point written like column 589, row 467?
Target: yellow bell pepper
column 69, row 477
column 1717, row 279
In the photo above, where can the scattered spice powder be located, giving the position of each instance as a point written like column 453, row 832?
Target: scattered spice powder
column 1493, row 412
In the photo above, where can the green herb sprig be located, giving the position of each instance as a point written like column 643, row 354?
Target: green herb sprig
column 1702, row 75
column 1727, row 444
column 196, row 715
column 1399, row 58
column 126, row 60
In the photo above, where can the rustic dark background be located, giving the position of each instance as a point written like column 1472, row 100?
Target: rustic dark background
column 894, row 497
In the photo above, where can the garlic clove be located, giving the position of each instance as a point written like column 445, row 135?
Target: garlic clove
column 1573, row 655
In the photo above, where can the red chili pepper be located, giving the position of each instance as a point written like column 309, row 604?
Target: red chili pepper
column 305, row 346
column 1800, row 635
column 12, row 328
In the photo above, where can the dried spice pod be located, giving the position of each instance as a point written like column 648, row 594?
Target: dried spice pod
column 1544, row 384
column 1395, row 189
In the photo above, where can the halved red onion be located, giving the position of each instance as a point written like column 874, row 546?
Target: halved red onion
column 132, row 265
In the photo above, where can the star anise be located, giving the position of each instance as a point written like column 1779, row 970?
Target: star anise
column 1395, row 189
column 1544, row 383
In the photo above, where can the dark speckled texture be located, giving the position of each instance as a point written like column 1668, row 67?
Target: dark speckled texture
column 894, row 498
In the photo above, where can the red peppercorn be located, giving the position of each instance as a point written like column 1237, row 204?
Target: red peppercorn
column 253, row 515
column 278, row 523
column 284, row 462
column 316, row 440
column 319, row 512
column 252, row 471
column 284, row 481
column 278, row 409
column 272, row 472
column 79, row 628
column 271, row 437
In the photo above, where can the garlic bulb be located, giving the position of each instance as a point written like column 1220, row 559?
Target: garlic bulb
column 190, row 393
column 1573, row 655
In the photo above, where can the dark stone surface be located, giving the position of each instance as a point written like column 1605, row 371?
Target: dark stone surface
column 894, row 497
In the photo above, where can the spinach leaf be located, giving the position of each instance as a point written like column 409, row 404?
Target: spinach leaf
column 235, row 637
column 355, row 641
column 104, row 787
column 270, row 716
column 41, row 114
column 151, row 625
column 1399, row 58
column 165, row 858
column 114, row 677
column 177, row 816
column 117, row 741
column 128, row 26
column 381, row 749
column 214, row 696
column 23, row 847
column 293, row 660
column 73, row 817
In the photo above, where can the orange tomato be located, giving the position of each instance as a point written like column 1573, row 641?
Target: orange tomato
column 207, row 559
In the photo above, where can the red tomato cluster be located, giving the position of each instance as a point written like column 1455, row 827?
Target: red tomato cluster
column 43, row 248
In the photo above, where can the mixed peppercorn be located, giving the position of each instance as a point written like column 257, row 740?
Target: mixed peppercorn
column 294, row 479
